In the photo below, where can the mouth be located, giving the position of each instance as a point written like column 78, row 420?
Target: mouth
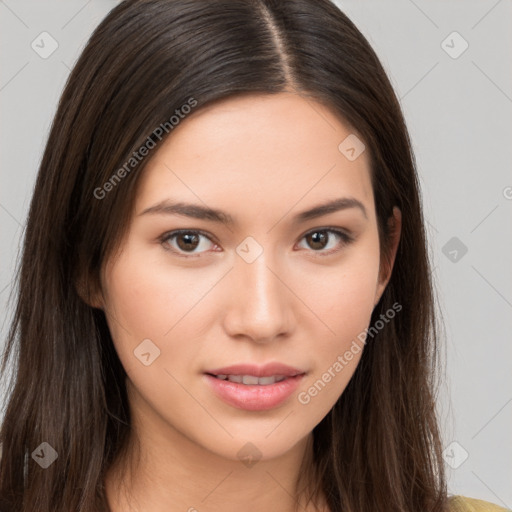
column 253, row 393
column 251, row 380
column 246, row 373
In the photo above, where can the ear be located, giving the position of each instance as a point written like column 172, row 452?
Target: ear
column 388, row 260
column 92, row 297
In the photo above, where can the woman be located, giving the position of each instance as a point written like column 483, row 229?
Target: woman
column 224, row 296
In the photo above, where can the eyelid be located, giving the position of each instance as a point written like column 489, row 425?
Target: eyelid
column 335, row 229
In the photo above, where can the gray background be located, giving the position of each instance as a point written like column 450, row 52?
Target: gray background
column 458, row 110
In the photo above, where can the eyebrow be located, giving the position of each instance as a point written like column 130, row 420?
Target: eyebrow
column 197, row 211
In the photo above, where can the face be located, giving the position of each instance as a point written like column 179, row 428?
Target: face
column 258, row 284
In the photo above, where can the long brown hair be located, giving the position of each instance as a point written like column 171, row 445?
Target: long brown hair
column 379, row 447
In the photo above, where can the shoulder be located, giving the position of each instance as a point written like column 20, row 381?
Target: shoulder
column 465, row 504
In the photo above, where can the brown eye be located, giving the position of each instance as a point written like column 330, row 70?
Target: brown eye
column 185, row 242
column 317, row 239
column 321, row 239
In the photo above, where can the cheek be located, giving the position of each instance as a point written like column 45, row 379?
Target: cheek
column 343, row 300
column 147, row 295
column 148, row 298
column 342, row 296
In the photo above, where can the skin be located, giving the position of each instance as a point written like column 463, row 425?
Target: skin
column 262, row 159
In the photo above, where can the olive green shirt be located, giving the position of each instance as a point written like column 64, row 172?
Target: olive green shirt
column 464, row 504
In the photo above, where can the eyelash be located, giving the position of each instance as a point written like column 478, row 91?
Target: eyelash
column 346, row 239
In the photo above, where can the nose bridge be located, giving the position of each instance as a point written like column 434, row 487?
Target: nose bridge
column 259, row 305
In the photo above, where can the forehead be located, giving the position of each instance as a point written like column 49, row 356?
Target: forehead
column 255, row 153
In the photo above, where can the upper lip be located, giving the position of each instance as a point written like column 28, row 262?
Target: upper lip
column 266, row 370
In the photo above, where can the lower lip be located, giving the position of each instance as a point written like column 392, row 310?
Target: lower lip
column 254, row 397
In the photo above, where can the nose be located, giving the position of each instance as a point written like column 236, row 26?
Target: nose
column 260, row 303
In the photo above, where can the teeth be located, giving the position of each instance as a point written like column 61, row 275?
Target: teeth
column 264, row 381
column 249, row 379
column 252, row 380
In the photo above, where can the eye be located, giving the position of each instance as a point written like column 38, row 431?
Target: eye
column 319, row 240
column 187, row 241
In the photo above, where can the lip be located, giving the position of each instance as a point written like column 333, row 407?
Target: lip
column 253, row 397
column 266, row 370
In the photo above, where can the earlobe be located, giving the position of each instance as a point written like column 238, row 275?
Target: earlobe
column 97, row 302
column 93, row 299
column 388, row 260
